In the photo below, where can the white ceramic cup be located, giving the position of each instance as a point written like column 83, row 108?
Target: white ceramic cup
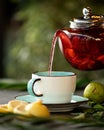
column 54, row 89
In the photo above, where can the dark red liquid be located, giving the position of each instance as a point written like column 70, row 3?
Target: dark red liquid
column 83, row 49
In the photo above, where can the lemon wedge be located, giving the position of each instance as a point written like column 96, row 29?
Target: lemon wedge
column 20, row 109
column 24, row 108
column 4, row 108
column 37, row 109
column 14, row 103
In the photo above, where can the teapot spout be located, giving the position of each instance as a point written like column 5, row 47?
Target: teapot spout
column 63, row 37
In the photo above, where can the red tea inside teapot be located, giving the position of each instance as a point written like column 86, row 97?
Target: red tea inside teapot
column 83, row 43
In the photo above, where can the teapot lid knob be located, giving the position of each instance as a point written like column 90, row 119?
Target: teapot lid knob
column 88, row 20
column 87, row 12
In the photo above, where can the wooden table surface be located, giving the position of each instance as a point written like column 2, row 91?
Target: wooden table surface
column 7, row 95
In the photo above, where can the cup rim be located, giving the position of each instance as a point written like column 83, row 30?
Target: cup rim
column 54, row 73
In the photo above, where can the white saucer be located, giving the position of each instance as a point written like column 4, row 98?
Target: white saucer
column 75, row 102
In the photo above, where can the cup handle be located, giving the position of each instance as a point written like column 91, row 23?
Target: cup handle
column 31, row 85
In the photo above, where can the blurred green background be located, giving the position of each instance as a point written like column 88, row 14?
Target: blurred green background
column 29, row 34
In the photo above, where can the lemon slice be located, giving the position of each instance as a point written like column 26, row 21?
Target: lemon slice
column 14, row 103
column 37, row 109
column 20, row 109
column 4, row 108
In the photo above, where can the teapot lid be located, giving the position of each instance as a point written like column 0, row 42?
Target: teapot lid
column 88, row 20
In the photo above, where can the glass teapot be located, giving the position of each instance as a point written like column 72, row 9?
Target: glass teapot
column 83, row 43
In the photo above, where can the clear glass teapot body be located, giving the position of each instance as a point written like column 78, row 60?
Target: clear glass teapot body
column 83, row 44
